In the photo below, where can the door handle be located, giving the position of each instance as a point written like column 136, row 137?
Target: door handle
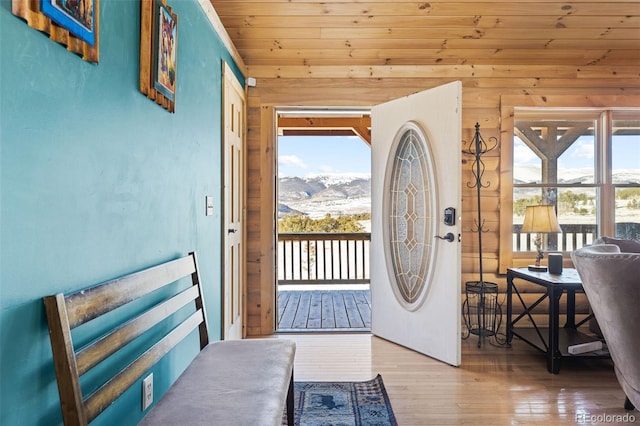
column 231, row 231
column 449, row 237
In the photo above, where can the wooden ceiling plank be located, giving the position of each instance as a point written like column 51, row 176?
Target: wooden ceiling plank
column 527, row 54
column 304, row 86
column 398, row 62
column 352, row 33
column 475, row 33
column 441, row 43
column 448, row 71
column 432, row 1
column 412, row 21
column 355, row 57
column 423, row 8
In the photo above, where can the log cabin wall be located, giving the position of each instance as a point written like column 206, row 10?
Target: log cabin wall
column 346, row 54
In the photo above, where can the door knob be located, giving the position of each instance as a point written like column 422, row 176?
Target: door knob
column 449, row 237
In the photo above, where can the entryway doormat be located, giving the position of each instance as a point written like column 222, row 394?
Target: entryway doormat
column 342, row 404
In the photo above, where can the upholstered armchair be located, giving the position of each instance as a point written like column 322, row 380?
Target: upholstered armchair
column 626, row 246
column 611, row 280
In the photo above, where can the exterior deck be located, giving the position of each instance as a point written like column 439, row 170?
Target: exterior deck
column 313, row 267
column 324, row 310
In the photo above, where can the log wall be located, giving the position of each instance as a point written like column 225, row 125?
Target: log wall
column 484, row 87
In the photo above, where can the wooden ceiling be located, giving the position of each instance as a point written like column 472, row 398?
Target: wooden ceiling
column 298, row 41
column 299, row 35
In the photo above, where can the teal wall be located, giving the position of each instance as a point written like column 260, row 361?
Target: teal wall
column 98, row 181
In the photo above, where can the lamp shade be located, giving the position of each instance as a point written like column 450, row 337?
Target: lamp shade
column 540, row 219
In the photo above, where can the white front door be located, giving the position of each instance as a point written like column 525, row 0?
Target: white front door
column 416, row 175
column 233, row 230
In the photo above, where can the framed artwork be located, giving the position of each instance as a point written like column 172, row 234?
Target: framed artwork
column 72, row 23
column 76, row 16
column 165, row 49
column 158, row 52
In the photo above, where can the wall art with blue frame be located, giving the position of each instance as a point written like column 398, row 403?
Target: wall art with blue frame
column 72, row 23
column 76, row 16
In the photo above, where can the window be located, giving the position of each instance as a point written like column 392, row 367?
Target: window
column 583, row 161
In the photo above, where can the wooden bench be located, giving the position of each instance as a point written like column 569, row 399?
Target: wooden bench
column 241, row 382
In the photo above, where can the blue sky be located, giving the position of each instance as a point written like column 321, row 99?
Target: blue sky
column 626, row 153
column 312, row 155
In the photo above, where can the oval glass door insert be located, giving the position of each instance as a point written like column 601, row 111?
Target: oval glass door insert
column 409, row 213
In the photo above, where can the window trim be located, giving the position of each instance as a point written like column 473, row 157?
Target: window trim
column 509, row 104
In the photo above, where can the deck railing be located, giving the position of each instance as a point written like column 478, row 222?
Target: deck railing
column 343, row 258
column 323, row 258
column 573, row 236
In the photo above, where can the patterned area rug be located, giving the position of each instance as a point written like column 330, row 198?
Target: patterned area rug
column 342, row 404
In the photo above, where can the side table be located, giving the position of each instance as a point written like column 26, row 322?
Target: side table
column 552, row 340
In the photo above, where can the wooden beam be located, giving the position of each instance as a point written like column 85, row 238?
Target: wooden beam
column 324, row 122
column 364, row 133
column 317, row 132
column 327, row 126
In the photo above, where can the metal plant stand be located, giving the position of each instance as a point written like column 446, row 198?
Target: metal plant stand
column 481, row 311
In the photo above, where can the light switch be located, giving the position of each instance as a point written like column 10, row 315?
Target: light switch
column 209, row 203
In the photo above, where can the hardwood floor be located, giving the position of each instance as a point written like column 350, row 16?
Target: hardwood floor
column 324, row 310
column 493, row 386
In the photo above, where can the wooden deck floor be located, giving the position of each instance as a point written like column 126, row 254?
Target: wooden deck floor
column 324, row 310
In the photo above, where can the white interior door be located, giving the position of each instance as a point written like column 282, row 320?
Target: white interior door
column 415, row 276
column 233, row 230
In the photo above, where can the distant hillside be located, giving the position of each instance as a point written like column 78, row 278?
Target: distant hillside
column 296, row 188
column 533, row 173
column 344, row 194
column 318, row 195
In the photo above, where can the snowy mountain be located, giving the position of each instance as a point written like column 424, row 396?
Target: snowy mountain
column 341, row 194
column 336, row 194
column 533, row 173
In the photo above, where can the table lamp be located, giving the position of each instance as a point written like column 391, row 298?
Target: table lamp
column 540, row 219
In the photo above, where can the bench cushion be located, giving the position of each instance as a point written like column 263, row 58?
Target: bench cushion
column 232, row 382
